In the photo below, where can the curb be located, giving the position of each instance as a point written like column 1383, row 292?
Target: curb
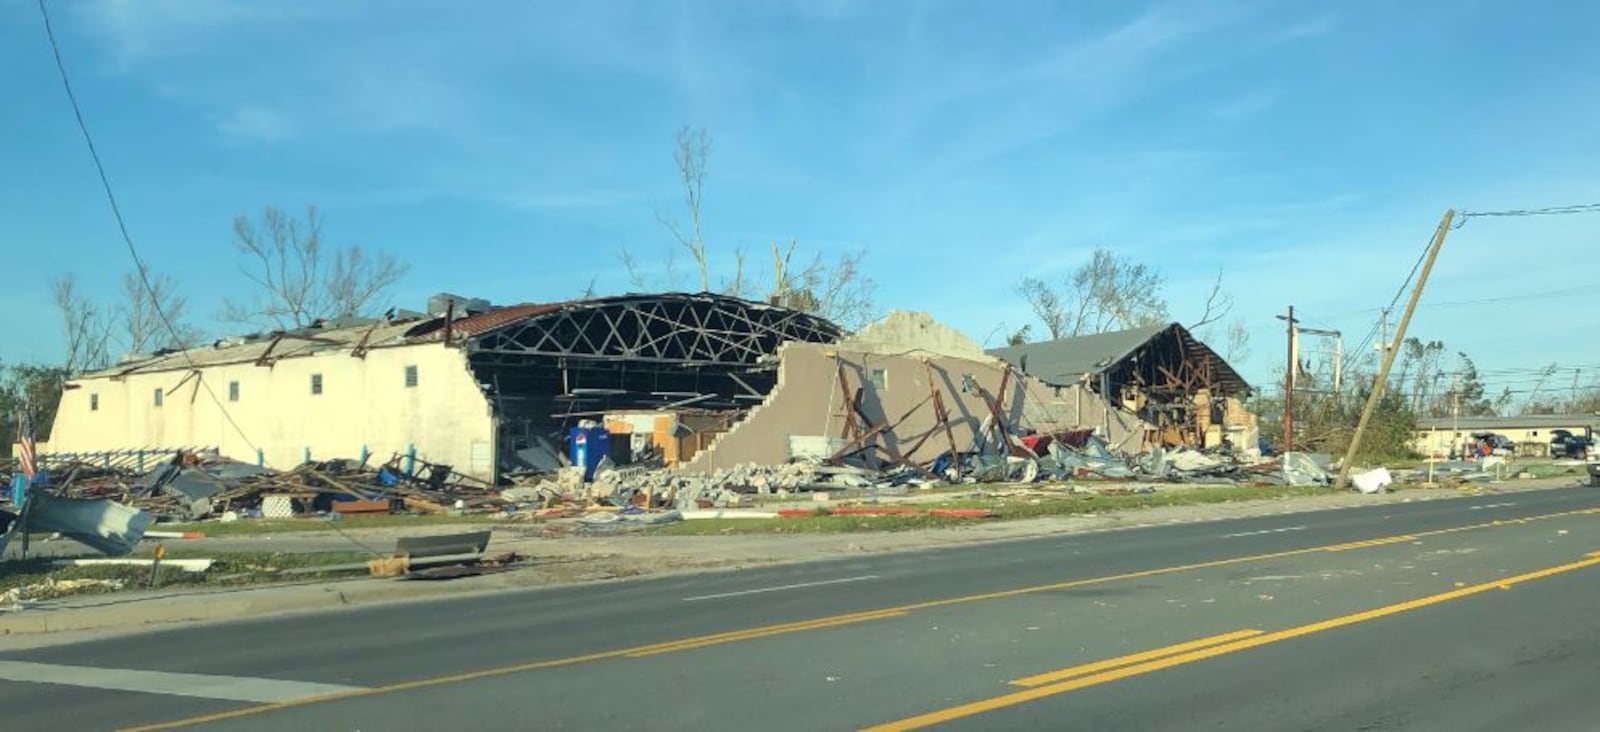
column 138, row 612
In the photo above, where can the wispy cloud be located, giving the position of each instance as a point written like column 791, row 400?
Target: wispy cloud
column 1012, row 105
column 1319, row 26
column 1245, row 106
column 255, row 124
column 138, row 30
column 571, row 199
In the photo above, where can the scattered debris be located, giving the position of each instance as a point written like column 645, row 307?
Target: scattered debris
column 105, row 525
column 195, row 485
column 1372, row 481
column 187, row 565
column 17, row 598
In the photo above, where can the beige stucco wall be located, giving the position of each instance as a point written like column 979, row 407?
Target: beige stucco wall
column 364, row 401
column 1437, row 442
column 809, row 402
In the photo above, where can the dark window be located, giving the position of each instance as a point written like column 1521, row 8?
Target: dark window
column 158, row 397
column 411, row 376
column 94, row 402
column 233, row 391
column 316, row 383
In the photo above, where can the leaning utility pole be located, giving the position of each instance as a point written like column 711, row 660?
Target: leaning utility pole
column 1389, row 354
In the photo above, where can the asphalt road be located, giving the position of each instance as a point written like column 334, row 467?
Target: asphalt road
column 1472, row 613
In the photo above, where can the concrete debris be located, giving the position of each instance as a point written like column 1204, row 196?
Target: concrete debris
column 18, row 598
column 1299, row 468
column 626, row 520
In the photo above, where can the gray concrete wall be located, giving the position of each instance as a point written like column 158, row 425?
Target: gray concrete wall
column 809, row 401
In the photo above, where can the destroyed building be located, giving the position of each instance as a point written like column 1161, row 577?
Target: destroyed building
column 480, row 388
column 696, row 382
column 904, row 391
column 1182, row 392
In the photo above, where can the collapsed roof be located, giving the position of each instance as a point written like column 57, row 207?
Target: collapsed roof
column 1154, row 357
column 684, row 330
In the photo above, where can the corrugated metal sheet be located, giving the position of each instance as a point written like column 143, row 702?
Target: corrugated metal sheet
column 1067, row 360
column 483, row 322
column 301, row 343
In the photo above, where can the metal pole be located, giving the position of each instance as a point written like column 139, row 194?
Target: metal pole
column 1338, row 361
column 1288, row 390
column 1394, row 347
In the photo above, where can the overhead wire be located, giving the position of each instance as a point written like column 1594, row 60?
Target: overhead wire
column 122, row 226
column 1580, row 208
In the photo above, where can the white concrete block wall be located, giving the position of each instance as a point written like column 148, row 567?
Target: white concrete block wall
column 364, row 401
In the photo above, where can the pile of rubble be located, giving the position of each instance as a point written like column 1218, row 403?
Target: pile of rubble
column 194, row 486
column 1032, row 459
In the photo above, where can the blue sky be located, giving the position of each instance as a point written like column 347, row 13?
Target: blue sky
column 508, row 149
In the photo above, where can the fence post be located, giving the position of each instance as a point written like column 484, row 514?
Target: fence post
column 308, row 454
column 364, row 454
column 140, row 463
column 261, row 458
column 411, row 459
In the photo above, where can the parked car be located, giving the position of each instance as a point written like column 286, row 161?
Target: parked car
column 1493, row 443
column 1564, row 444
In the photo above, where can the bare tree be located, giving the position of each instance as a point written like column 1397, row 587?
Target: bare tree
column 1104, row 294
column 694, row 148
column 1116, row 294
column 148, row 311
column 839, row 290
column 1046, row 304
column 640, row 277
column 299, row 280
column 1238, row 343
column 1218, row 305
column 87, row 330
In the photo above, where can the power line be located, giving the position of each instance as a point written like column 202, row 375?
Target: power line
column 122, row 226
column 1581, row 208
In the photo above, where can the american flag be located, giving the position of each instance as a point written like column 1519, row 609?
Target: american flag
column 27, row 458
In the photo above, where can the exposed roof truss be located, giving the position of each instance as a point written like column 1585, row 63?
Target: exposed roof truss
column 685, row 330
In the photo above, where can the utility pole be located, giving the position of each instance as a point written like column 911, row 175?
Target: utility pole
column 1388, row 356
column 1455, row 411
column 1338, row 361
column 1288, row 388
column 1338, row 351
column 1383, row 332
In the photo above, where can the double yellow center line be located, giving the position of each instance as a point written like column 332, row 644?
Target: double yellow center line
column 765, row 631
column 1100, row 672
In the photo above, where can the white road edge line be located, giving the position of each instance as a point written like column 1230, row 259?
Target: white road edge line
column 1493, row 505
column 205, row 686
column 1264, row 531
column 841, row 581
